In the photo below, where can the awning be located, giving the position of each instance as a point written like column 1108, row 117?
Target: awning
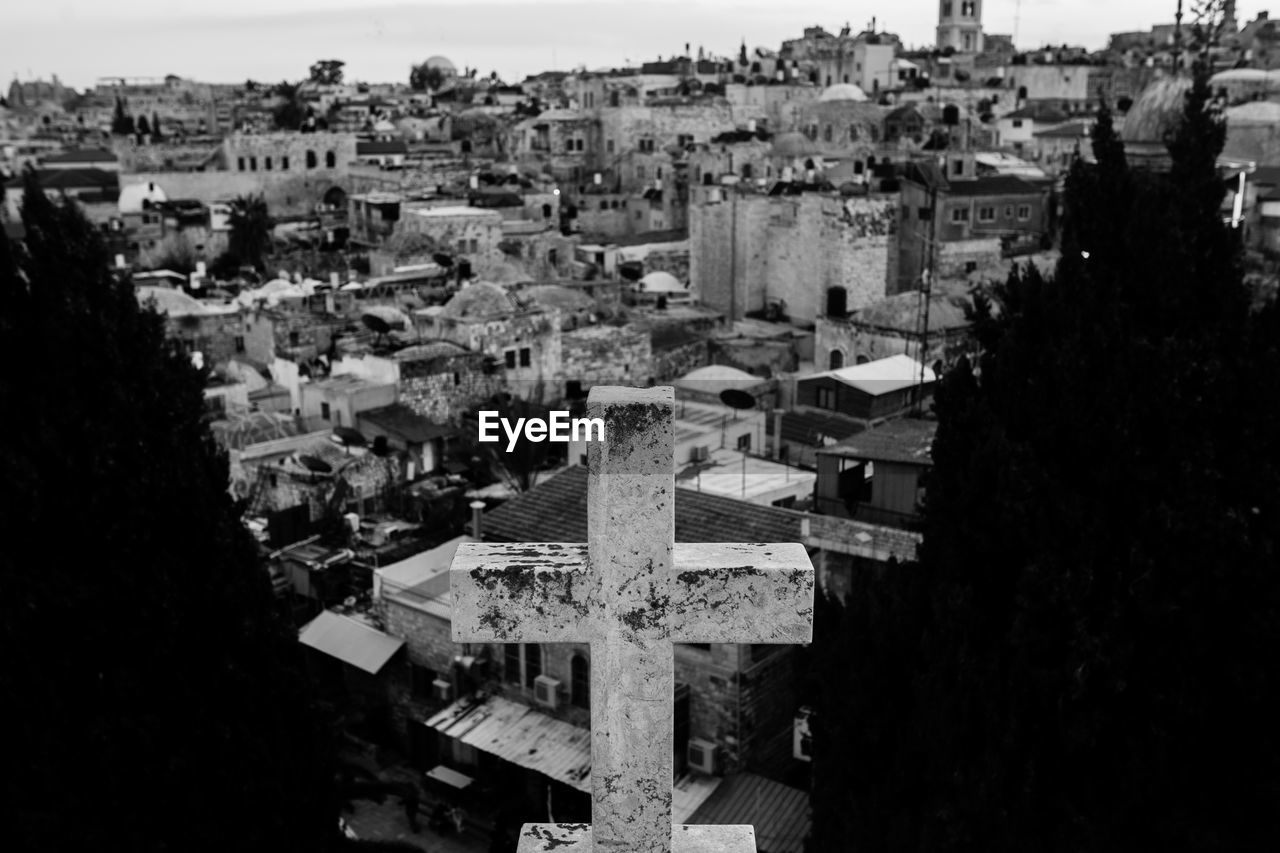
column 519, row 734
column 350, row 641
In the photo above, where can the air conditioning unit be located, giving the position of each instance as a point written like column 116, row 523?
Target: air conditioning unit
column 701, row 453
column 441, row 690
column 702, row 756
column 546, row 690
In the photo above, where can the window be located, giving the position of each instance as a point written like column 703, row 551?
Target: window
column 827, row 398
column 1024, row 212
column 311, row 159
column 330, row 159
column 240, row 163
column 253, row 164
column 970, row 266
column 946, row 8
column 510, row 357
column 608, row 146
column 581, row 144
column 835, row 361
column 1017, row 122
column 324, row 411
column 744, row 442
column 568, row 145
column 293, row 339
column 525, row 357
column 266, row 163
column 239, row 343
column 637, row 214
column 420, row 680
column 1008, row 211
column 511, row 668
column 284, row 164
column 959, row 214
column 639, row 173
column 580, row 682
column 532, row 663
column 746, row 171
column 925, row 213
column 957, row 167
column 968, row 9
column 604, row 205
column 457, row 379
column 986, row 214
column 826, row 133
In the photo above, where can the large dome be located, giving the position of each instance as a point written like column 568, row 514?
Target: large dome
column 443, row 64
column 1158, row 111
column 479, row 299
column 843, row 92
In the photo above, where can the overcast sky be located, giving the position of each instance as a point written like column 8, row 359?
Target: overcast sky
column 270, row 40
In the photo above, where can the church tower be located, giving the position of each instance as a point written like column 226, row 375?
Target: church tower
column 960, row 25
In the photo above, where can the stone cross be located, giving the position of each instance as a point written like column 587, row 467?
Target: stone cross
column 631, row 592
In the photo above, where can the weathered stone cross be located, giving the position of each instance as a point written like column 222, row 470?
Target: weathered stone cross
column 631, row 592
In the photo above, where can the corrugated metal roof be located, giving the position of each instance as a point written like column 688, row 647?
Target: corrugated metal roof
column 350, row 641
column 521, row 735
column 779, row 814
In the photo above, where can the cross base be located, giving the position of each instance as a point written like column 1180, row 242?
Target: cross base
column 576, row 838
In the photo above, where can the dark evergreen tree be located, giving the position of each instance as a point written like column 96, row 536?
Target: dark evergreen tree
column 155, row 701
column 249, row 240
column 1093, row 621
column 156, row 133
column 121, row 121
column 143, row 126
column 289, row 113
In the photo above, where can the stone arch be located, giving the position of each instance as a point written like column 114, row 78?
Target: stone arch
column 311, row 159
column 335, row 197
column 835, row 360
column 862, row 359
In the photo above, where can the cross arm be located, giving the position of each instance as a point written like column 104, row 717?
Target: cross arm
column 519, row 593
column 741, row 593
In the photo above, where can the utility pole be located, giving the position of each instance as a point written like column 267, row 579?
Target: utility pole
column 926, row 288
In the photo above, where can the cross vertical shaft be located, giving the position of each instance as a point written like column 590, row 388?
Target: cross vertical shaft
column 631, row 523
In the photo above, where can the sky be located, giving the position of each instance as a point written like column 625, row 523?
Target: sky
column 229, row 41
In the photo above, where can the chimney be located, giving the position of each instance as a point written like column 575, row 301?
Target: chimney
column 477, row 511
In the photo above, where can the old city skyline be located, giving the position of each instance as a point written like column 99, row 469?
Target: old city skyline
column 278, row 40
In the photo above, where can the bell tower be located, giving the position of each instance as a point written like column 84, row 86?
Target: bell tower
column 960, row 25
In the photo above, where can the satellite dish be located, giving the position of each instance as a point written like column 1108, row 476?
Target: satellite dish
column 442, row 259
column 375, row 324
column 315, row 464
column 349, row 437
column 736, row 398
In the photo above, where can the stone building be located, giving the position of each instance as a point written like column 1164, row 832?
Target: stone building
column 960, row 25
column 893, row 326
column 470, row 233
column 969, row 219
column 605, row 355
column 749, row 251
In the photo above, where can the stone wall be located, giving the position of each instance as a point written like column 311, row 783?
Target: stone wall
column 792, row 248
column 606, row 355
column 859, row 341
column 286, row 193
column 668, row 364
column 473, row 233
column 447, row 388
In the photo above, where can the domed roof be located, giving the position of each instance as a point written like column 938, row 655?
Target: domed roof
column 661, row 282
column 843, row 92
column 443, row 64
column 1158, row 111
column 479, row 299
column 793, row 145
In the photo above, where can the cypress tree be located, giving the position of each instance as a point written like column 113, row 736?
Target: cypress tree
column 1094, row 662
column 155, row 702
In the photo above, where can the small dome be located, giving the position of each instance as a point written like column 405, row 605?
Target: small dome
column 1157, row 112
column 843, row 92
column 479, row 299
column 661, row 282
column 793, row 145
column 443, row 64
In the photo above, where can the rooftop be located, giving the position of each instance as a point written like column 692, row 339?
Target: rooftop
column 404, row 423
column 556, row 511
column 905, row 440
column 882, row 376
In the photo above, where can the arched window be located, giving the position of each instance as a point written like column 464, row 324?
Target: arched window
column 532, row 663
column 311, row 159
column 853, row 133
column 836, row 360
column 580, row 681
column 546, row 211
column 266, row 163
column 330, row 159
column 746, row 171
column 862, row 359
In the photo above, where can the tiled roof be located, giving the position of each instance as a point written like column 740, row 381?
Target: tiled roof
column 780, row 814
column 556, row 511
column 908, row 440
column 810, row 428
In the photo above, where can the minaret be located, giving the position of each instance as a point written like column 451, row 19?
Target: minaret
column 960, row 25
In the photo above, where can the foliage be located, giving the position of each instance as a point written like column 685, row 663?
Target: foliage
column 249, row 240
column 290, row 112
column 425, row 79
column 175, row 252
column 156, row 133
column 172, row 714
column 121, row 121
column 1085, row 651
column 143, row 126
column 326, row 72
column 410, row 244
